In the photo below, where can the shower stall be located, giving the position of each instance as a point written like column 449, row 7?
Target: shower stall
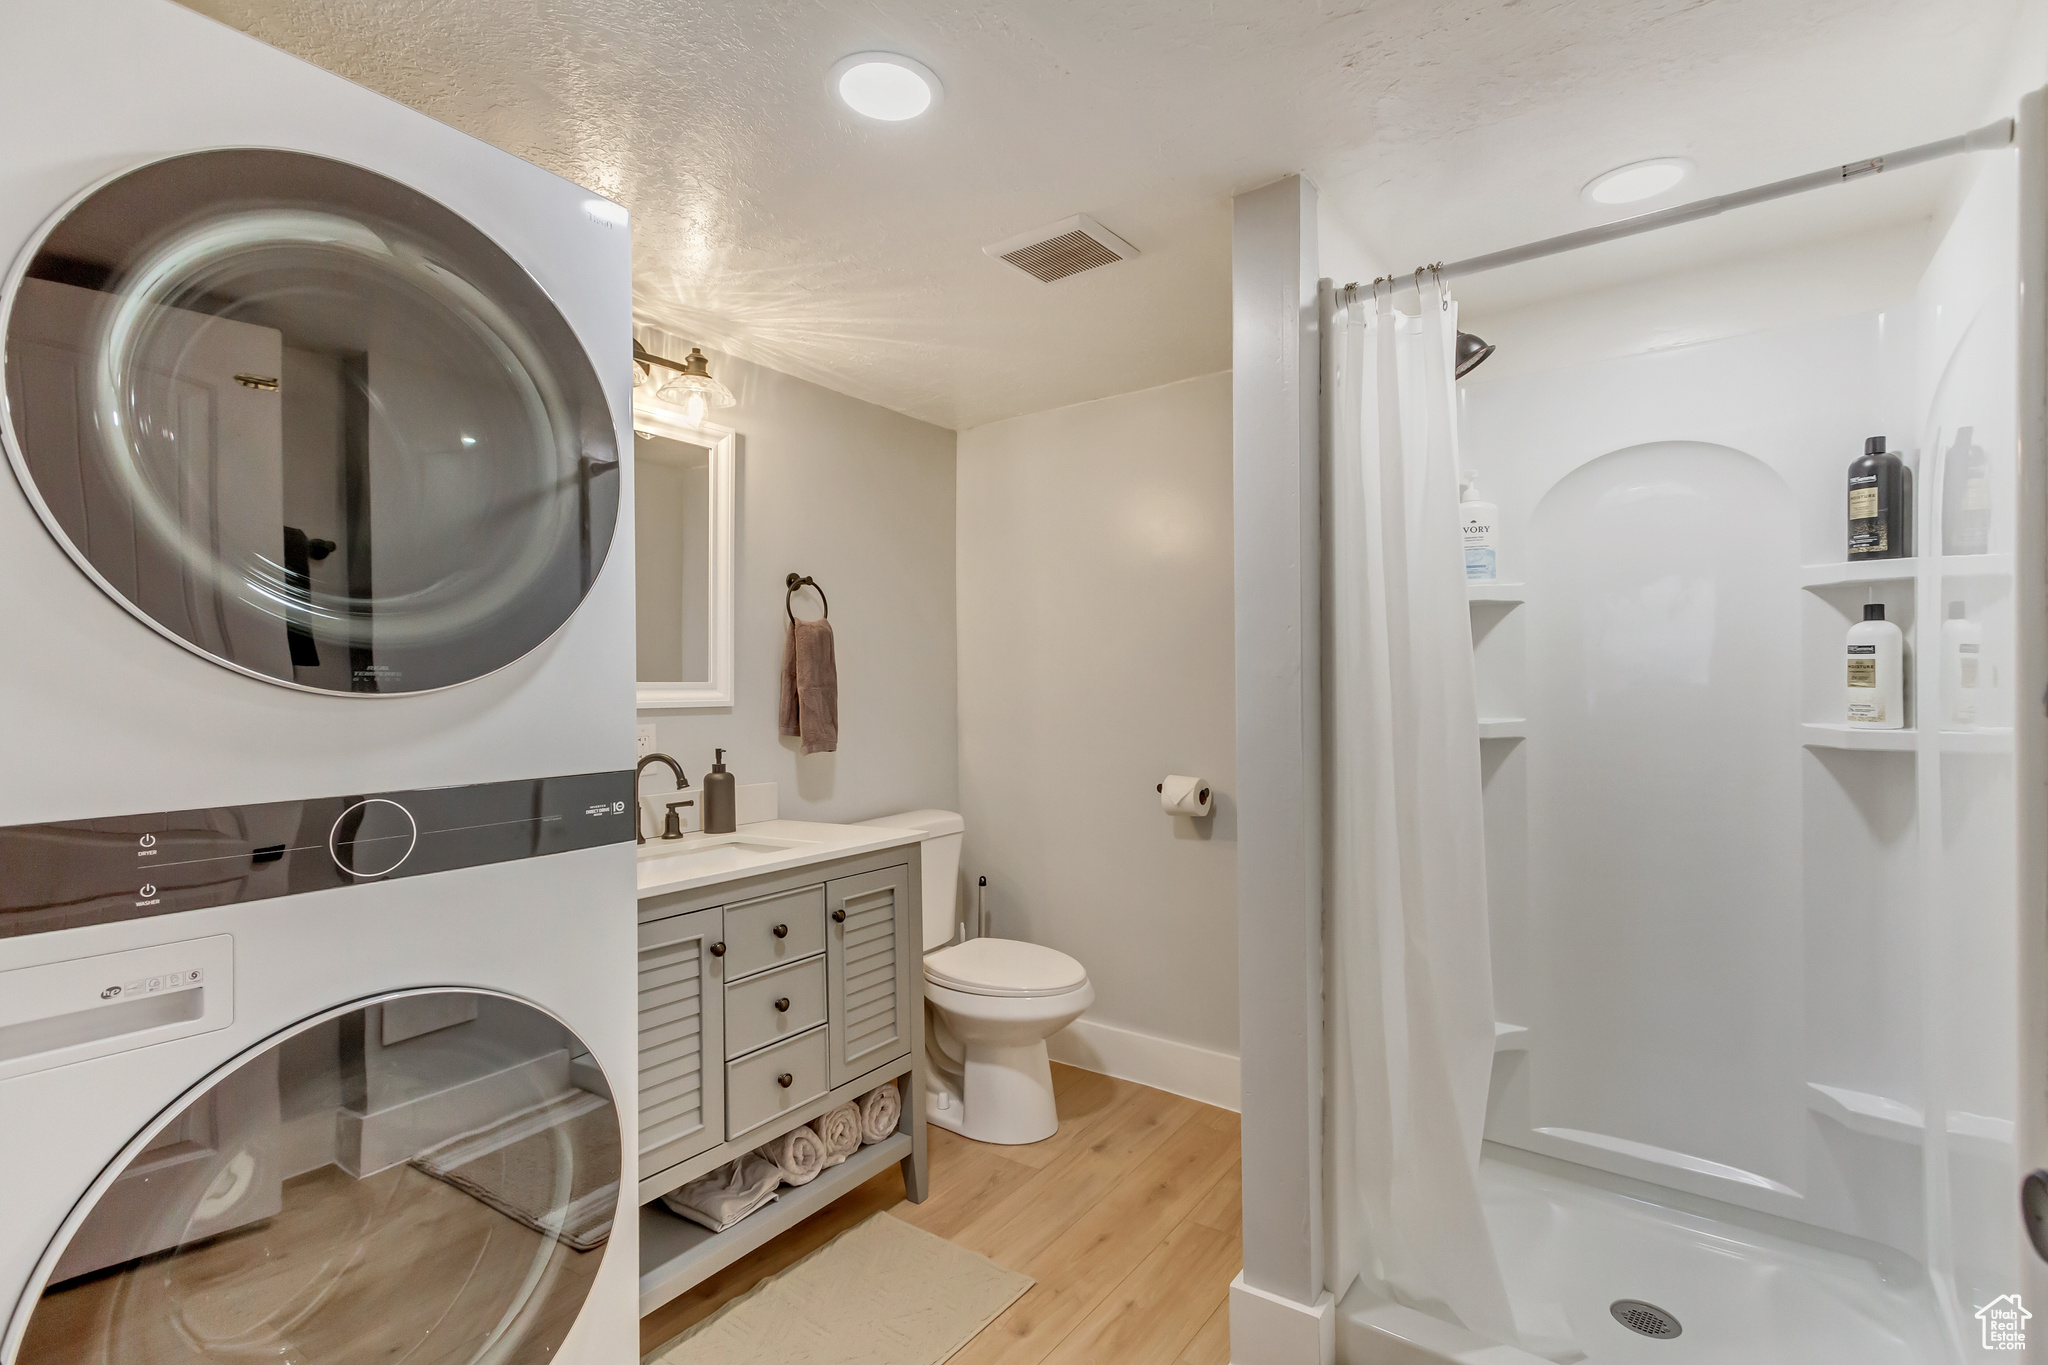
column 1766, row 985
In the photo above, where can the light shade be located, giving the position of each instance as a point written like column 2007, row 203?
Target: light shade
column 693, row 387
column 1636, row 181
column 884, row 86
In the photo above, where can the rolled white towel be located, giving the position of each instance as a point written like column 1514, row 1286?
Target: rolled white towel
column 728, row 1194
column 799, row 1154
column 879, row 1110
column 840, row 1132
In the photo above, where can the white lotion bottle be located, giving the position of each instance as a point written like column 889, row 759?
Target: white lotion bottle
column 1962, row 645
column 1877, row 680
column 1481, row 520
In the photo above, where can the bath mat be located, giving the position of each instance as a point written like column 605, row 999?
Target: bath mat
column 511, row 1164
column 882, row 1293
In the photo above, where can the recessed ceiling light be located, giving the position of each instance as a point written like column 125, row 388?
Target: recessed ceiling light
column 1637, row 181
column 882, row 85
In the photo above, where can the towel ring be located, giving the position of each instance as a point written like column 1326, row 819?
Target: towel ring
column 795, row 581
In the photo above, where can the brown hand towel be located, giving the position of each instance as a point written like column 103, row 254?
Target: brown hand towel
column 810, row 687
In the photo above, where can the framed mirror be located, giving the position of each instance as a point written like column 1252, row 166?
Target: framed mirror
column 683, row 505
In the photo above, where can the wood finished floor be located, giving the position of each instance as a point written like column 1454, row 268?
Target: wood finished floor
column 1128, row 1218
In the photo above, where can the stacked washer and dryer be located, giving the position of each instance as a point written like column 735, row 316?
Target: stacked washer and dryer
column 316, row 873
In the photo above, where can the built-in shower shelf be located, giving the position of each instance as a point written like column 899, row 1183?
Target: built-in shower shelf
column 1865, row 571
column 1503, row 727
column 1905, row 570
column 1877, row 1116
column 1986, row 740
column 1513, row 594
column 1843, row 736
column 1983, row 740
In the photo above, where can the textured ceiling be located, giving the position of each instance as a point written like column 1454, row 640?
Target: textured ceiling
column 772, row 223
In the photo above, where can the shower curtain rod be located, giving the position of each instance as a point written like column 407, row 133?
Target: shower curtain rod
column 1990, row 137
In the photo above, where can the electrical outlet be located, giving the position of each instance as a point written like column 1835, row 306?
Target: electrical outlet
column 645, row 736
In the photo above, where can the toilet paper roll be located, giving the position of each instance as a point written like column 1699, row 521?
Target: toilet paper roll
column 1184, row 795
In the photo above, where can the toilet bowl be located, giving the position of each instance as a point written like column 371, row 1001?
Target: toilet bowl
column 990, row 1005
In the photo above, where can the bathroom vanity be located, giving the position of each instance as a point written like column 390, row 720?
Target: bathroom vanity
column 779, row 978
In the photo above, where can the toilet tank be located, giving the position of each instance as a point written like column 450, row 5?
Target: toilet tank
column 943, row 832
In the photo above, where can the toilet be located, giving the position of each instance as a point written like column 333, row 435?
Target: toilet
column 990, row 1004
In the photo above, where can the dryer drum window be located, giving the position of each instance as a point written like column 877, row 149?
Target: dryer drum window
column 308, row 422
column 422, row 1178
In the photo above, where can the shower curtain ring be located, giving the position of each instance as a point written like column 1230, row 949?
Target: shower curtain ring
column 1443, row 290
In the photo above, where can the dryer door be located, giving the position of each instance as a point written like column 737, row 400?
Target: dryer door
column 427, row 1178
column 307, row 422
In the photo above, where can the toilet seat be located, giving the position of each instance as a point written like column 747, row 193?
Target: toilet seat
column 1004, row 967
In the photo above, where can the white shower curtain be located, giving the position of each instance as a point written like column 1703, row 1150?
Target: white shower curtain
column 1410, row 1012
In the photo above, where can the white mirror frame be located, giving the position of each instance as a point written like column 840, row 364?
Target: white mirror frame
column 660, row 420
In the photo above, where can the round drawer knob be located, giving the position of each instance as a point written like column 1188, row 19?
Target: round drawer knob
column 782, row 931
column 782, row 1005
column 839, row 917
column 718, row 950
column 785, row 1080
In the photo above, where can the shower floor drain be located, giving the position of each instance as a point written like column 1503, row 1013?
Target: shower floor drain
column 1646, row 1318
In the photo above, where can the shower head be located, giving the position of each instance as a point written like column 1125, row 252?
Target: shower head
column 1471, row 350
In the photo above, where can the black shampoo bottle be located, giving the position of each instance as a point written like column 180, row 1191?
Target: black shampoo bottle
column 1879, row 505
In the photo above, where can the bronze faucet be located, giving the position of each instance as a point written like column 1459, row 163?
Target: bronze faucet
column 681, row 782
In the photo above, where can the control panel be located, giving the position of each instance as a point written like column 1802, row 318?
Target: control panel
column 99, row 871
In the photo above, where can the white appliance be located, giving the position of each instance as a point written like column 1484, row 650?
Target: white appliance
column 316, row 879
column 990, row 1005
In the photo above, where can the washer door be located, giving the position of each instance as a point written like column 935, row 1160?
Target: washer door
column 421, row 1179
column 308, row 422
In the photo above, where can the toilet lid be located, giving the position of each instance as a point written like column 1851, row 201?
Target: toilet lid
column 1003, row 966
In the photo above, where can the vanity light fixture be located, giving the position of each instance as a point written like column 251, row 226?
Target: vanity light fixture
column 885, row 86
column 1636, row 181
column 691, row 384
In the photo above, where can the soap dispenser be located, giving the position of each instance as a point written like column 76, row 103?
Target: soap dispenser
column 721, row 798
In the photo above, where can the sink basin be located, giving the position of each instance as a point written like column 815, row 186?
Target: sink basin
column 703, row 855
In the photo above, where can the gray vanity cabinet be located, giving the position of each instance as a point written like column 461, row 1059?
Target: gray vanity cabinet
column 682, row 1037
column 766, row 1001
column 871, row 948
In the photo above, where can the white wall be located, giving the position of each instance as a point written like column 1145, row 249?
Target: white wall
column 1095, row 658
column 861, row 498
column 1811, row 282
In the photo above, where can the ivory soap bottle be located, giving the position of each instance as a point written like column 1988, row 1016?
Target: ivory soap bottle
column 1481, row 520
column 1877, row 680
column 1962, row 644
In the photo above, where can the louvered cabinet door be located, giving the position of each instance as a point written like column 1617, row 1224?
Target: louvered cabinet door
column 682, row 1038
column 871, row 953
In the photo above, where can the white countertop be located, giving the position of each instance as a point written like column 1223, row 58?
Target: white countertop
column 699, row 860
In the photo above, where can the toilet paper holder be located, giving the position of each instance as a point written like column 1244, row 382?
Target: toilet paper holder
column 1181, row 795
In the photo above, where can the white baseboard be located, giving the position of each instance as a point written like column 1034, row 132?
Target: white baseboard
column 368, row 1143
column 1266, row 1329
column 1162, row 1063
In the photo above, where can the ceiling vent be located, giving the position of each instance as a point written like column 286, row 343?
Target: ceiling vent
column 1068, row 247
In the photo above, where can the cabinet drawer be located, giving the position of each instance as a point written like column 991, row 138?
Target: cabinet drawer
column 751, row 1017
column 754, row 1092
column 752, row 943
